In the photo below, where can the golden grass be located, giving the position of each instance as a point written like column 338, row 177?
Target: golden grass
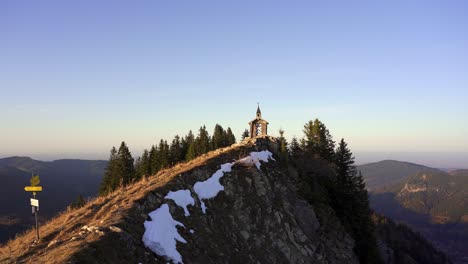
column 105, row 211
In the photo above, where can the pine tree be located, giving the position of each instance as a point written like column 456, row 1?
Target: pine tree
column 230, row 138
column 191, row 152
column 153, row 160
column 125, row 167
column 219, row 138
column 79, row 202
column 202, row 142
column 245, row 134
column 120, row 170
column 318, row 141
column 175, row 151
column 110, row 181
column 283, row 148
column 189, row 146
column 145, row 166
column 346, row 170
column 163, row 155
column 351, row 204
column 303, row 144
column 138, row 168
column 294, row 147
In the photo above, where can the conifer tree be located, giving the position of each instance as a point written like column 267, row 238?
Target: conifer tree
column 318, row 141
column 351, row 204
column 219, row 138
column 110, row 180
column 294, row 147
column 175, row 151
column 126, row 171
column 303, row 144
column 119, row 171
column 245, row 134
column 189, row 146
column 190, row 137
column 283, row 148
column 191, row 152
column 79, row 202
column 163, row 155
column 138, row 168
column 230, row 138
column 153, row 160
column 145, row 166
column 202, row 142
column 183, row 148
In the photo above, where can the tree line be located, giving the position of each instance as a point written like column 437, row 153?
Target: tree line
column 123, row 169
column 344, row 189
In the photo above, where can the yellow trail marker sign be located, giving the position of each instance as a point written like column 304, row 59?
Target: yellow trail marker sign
column 35, row 180
column 33, row 188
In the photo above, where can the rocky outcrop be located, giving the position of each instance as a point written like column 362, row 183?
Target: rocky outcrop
column 258, row 218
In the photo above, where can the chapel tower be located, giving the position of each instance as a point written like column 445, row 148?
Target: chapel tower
column 258, row 126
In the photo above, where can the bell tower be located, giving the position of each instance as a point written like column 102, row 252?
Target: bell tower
column 258, row 126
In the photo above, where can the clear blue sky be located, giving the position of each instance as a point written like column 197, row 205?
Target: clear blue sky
column 391, row 77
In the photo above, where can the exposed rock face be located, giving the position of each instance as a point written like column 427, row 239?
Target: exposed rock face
column 258, row 218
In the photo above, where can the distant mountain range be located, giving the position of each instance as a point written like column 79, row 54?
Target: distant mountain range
column 431, row 201
column 386, row 173
column 62, row 181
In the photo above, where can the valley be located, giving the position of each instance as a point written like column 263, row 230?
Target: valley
column 429, row 200
column 62, row 180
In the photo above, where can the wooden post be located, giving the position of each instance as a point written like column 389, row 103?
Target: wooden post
column 35, row 217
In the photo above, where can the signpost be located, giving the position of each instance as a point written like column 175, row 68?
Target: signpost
column 34, row 202
column 33, row 189
column 35, row 180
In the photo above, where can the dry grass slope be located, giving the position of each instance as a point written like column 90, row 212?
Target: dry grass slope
column 64, row 236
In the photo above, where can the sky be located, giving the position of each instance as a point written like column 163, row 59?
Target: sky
column 390, row 77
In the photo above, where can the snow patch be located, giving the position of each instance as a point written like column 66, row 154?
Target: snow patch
column 210, row 188
column 256, row 157
column 192, row 231
column 182, row 198
column 161, row 234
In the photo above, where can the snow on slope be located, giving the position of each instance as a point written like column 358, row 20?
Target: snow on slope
column 210, row 188
column 182, row 198
column 161, row 234
column 256, row 157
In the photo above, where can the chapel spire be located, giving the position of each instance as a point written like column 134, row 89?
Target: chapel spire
column 258, row 126
column 259, row 113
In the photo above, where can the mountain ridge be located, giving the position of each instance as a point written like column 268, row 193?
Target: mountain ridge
column 258, row 217
column 382, row 174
